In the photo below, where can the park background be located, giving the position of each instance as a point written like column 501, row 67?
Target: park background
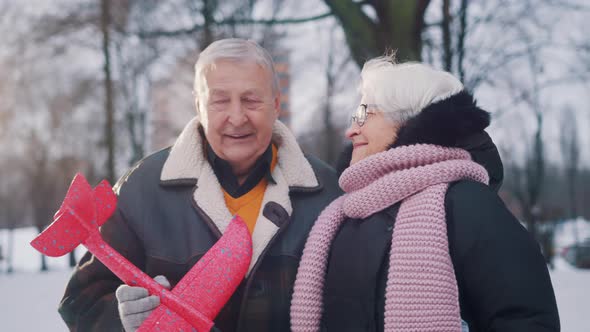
column 93, row 86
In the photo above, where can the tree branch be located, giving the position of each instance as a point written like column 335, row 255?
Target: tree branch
column 359, row 29
column 230, row 21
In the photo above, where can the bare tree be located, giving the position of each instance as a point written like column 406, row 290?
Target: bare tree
column 446, row 36
column 45, row 130
column 324, row 137
column 40, row 186
column 13, row 212
column 463, row 14
column 398, row 25
column 105, row 23
column 570, row 150
column 334, row 73
column 46, row 180
column 534, row 167
column 222, row 19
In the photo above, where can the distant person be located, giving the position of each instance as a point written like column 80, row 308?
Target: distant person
column 234, row 157
column 420, row 241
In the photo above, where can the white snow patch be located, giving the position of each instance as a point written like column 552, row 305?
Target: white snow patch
column 29, row 299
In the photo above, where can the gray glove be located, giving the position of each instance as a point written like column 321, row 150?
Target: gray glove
column 135, row 303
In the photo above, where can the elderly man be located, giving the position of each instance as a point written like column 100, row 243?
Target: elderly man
column 234, row 157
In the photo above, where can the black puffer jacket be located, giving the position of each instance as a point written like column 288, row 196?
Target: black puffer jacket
column 502, row 278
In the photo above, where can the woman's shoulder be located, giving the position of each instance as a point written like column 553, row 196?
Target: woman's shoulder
column 476, row 214
column 466, row 189
column 476, row 206
column 469, row 199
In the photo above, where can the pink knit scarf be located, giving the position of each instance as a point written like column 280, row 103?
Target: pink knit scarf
column 421, row 292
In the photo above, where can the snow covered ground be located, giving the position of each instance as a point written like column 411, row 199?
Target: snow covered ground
column 28, row 299
column 572, row 290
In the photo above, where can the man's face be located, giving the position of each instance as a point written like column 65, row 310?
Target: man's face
column 240, row 111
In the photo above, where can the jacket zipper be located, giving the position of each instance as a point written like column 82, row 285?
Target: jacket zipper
column 254, row 269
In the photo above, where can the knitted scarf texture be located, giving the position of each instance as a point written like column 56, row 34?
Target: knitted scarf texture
column 421, row 292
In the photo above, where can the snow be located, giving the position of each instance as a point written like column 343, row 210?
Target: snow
column 565, row 232
column 572, row 291
column 29, row 299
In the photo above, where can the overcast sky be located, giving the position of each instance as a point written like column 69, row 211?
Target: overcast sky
column 309, row 45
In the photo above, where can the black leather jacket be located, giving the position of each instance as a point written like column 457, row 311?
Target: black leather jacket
column 171, row 248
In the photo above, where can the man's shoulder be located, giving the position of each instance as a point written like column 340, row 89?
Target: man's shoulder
column 325, row 173
column 145, row 171
column 319, row 165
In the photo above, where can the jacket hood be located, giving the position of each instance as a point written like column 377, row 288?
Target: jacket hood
column 455, row 122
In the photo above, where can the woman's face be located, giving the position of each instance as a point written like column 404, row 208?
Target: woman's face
column 375, row 135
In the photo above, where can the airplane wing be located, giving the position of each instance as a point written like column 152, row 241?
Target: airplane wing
column 211, row 281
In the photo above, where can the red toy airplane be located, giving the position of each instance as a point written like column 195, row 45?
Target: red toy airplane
column 194, row 302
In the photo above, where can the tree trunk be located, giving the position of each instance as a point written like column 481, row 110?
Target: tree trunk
column 72, row 258
column 209, row 7
column 330, row 139
column 398, row 26
column 461, row 39
column 572, row 176
column 136, row 125
column 109, row 138
column 446, row 33
column 10, row 251
column 531, row 223
column 43, row 257
column 44, row 263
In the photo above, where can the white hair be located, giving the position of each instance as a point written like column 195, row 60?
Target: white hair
column 234, row 49
column 401, row 91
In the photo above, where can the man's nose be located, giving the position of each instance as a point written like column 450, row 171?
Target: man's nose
column 237, row 115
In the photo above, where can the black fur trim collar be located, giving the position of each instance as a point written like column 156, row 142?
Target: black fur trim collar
column 446, row 123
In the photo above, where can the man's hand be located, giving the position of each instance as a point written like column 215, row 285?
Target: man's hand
column 135, row 303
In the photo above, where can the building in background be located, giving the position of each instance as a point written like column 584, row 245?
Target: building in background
column 281, row 59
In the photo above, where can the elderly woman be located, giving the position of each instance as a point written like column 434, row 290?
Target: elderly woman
column 420, row 241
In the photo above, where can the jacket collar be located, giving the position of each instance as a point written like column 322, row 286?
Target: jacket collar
column 187, row 160
column 455, row 122
column 187, row 165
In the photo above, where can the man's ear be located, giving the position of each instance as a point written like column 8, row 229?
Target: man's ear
column 198, row 108
column 277, row 104
column 202, row 118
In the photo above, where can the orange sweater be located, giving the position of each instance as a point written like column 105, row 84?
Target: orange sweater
column 248, row 205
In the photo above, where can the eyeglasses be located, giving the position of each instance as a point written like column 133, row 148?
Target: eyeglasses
column 361, row 114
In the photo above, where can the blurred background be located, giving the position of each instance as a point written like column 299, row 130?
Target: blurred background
column 93, row 86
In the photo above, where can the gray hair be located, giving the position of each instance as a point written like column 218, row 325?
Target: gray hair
column 401, row 91
column 235, row 49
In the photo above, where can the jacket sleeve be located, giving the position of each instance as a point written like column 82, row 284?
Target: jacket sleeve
column 89, row 302
column 503, row 281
